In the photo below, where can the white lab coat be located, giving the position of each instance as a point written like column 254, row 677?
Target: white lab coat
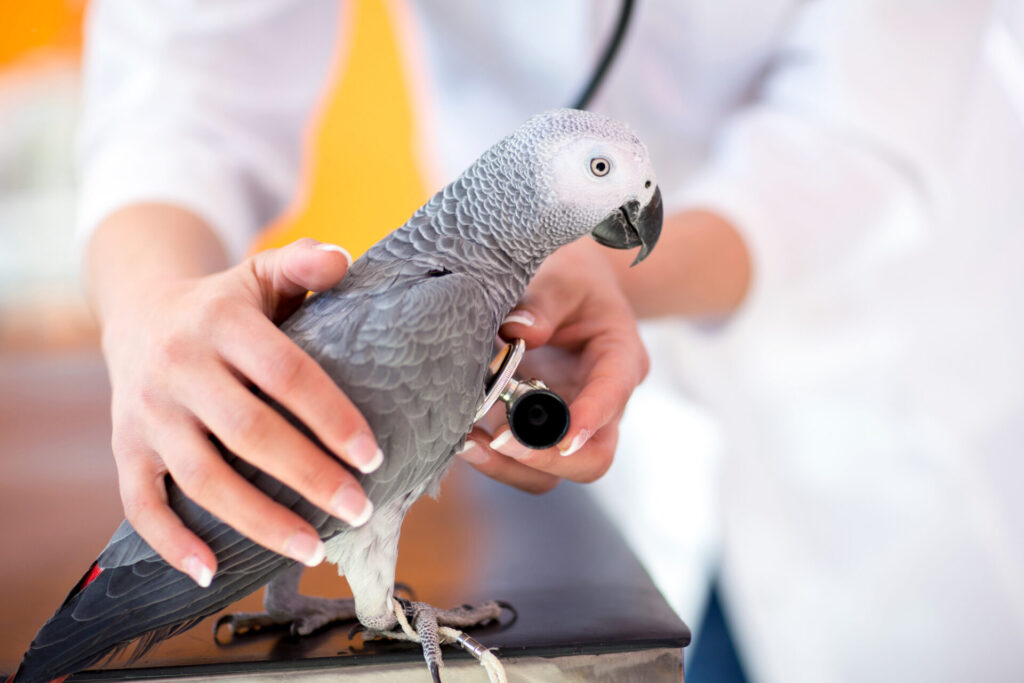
column 871, row 389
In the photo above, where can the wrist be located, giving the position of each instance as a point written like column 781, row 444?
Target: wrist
column 143, row 248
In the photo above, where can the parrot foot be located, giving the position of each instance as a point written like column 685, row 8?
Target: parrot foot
column 286, row 606
column 431, row 627
column 304, row 615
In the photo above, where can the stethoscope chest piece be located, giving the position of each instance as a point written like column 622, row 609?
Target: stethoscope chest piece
column 537, row 416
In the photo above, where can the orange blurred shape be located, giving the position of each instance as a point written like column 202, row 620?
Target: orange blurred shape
column 361, row 178
column 27, row 26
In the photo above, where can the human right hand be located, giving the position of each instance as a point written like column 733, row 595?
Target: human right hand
column 181, row 357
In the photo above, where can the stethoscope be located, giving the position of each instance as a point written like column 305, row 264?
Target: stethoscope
column 537, row 416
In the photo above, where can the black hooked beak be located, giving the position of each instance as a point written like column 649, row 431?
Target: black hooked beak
column 630, row 226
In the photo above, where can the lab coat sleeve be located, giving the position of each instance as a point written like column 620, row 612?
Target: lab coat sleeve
column 834, row 166
column 202, row 105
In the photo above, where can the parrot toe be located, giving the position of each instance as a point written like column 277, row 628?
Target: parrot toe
column 240, row 624
column 303, row 619
column 431, row 627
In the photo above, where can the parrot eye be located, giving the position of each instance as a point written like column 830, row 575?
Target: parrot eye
column 600, row 166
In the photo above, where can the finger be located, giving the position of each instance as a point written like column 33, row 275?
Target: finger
column 619, row 365
column 586, row 465
column 536, row 318
column 308, row 265
column 260, row 435
column 285, row 275
column 521, row 323
column 272, row 361
column 144, row 497
column 210, row 482
column 594, row 459
column 504, row 469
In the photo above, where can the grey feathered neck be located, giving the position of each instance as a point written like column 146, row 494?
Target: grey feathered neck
column 498, row 220
column 475, row 226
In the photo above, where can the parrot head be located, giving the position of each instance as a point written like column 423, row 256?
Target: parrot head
column 587, row 174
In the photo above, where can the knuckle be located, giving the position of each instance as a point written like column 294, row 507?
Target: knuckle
column 285, row 372
column 317, row 478
column 247, row 429
column 137, row 508
column 598, row 465
column 172, row 350
column 218, row 309
column 148, row 401
column 194, row 478
column 121, row 442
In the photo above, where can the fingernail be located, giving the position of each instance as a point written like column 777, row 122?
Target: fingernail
column 577, row 443
column 325, row 246
column 306, row 548
column 351, row 505
column 506, row 444
column 199, row 572
column 364, row 453
column 520, row 316
column 472, row 453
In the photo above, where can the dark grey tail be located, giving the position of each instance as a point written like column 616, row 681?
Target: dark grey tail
column 139, row 605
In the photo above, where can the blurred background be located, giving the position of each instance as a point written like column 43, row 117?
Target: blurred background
column 41, row 301
column 50, row 368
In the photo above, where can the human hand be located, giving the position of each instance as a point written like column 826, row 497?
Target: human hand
column 181, row 357
column 584, row 344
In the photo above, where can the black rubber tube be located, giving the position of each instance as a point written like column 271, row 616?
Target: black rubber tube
column 625, row 13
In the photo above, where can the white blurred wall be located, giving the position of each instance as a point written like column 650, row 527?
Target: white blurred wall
column 38, row 110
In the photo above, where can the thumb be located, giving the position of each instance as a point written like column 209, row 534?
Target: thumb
column 284, row 276
column 540, row 313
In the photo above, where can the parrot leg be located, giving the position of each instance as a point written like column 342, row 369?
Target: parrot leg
column 367, row 558
column 431, row 627
column 285, row 605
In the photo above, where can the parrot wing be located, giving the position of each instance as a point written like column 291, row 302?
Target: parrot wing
column 412, row 355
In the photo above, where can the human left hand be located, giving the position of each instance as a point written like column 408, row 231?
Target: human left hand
column 582, row 342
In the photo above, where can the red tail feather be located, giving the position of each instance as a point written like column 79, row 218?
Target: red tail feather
column 94, row 571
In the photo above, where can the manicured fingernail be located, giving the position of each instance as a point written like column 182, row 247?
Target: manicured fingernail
column 351, row 505
column 306, row 548
column 363, row 452
column 364, row 516
column 472, row 453
column 199, row 572
column 506, row 444
column 577, row 443
column 520, row 316
column 325, row 246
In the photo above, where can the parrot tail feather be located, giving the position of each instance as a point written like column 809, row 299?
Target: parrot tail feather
column 149, row 640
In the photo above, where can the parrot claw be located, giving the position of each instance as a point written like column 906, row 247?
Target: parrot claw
column 504, row 604
column 435, row 672
column 240, row 624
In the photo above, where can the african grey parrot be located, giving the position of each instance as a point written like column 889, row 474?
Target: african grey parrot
column 408, row 335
